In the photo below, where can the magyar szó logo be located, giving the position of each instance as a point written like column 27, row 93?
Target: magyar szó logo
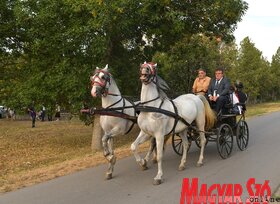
column 225, row 193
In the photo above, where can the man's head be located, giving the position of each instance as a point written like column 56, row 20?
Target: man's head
column 238, row 84
column 219, row 73
column 201, row 73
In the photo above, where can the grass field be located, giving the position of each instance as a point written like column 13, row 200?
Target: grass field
column 51, row 149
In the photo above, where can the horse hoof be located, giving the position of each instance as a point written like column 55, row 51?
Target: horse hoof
column 144, row 165
column 108, row 176
column 199, row 164
column 181, row 168
column 157, row 181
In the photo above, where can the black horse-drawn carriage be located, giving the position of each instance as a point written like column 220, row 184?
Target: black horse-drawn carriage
column 229, row 124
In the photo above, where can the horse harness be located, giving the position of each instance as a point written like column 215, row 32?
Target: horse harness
column 115, row 112
column 143, row 108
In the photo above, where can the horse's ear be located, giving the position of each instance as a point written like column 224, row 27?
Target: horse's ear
column 145, row 62
column 155, row 64
column 97, row 68
column 106, row 67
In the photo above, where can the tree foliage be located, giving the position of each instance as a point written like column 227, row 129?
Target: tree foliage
column 181, row 63
column 275, row 75
column 49, row 48
column 250, row 69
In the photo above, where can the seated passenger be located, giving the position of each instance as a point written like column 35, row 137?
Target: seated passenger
column 201, row 83
column 238, row 98
column 218, row 91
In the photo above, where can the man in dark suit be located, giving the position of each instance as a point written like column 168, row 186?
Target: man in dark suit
column 218, row 90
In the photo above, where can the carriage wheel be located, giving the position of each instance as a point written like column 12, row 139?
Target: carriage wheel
column 225, row 140
column 242, row 135
column 197, row 142
column 177, row 144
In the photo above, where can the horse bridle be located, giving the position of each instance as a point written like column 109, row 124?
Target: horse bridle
column 102, row 83
column 109, row 110
column 147, row 72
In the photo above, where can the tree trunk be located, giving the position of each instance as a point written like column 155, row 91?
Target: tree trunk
column 97, row 133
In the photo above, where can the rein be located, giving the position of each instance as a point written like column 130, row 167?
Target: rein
column 145, row 102
column 175, row 115
column 109, row 111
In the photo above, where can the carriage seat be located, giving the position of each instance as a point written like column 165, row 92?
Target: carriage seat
column 237, row 108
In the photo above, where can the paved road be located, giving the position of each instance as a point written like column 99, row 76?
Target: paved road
column 131, row 185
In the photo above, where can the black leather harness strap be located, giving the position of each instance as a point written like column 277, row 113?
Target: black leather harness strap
column 176, row 119
column 113, row 113
column 174, row 114
column 109, row 111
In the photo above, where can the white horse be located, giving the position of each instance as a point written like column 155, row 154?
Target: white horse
column 190, row 107
column 105, row 86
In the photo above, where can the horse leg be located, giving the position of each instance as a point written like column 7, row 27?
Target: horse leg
column 185, row 142
column 107, row 143
column 142, row 137
column 111, row 158
column 160, row 141
column 152, row 149
column 153, row 143
column 202, row 143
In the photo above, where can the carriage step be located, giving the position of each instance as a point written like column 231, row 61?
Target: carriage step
column 227, row 115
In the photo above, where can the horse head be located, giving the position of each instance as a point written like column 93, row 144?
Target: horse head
column 147, row 72
column 100, row 82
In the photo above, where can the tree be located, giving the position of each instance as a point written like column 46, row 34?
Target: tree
column 252, row 70
column 179, row 66
column 58, row 43
column 275, row 75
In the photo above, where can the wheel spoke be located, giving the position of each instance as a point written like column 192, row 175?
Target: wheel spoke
column 242, row 136
column 227, row 150
column 222, row 149
column 243, row 140
column 227, row 144
column 181, row 148
column 241, row 143
column 177, row 144
column 225, row 141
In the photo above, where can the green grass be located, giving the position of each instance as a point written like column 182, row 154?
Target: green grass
column 260, row 109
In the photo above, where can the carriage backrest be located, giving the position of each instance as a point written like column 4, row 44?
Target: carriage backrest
column 237, row 107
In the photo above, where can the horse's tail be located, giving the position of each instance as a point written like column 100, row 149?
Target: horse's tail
column 210, row 115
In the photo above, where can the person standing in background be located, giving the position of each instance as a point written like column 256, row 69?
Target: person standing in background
column 57, row 112
column 32, row 113
column 43, row 113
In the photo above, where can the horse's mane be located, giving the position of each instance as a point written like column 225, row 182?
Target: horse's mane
column 114, row 84
column 162, row 86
